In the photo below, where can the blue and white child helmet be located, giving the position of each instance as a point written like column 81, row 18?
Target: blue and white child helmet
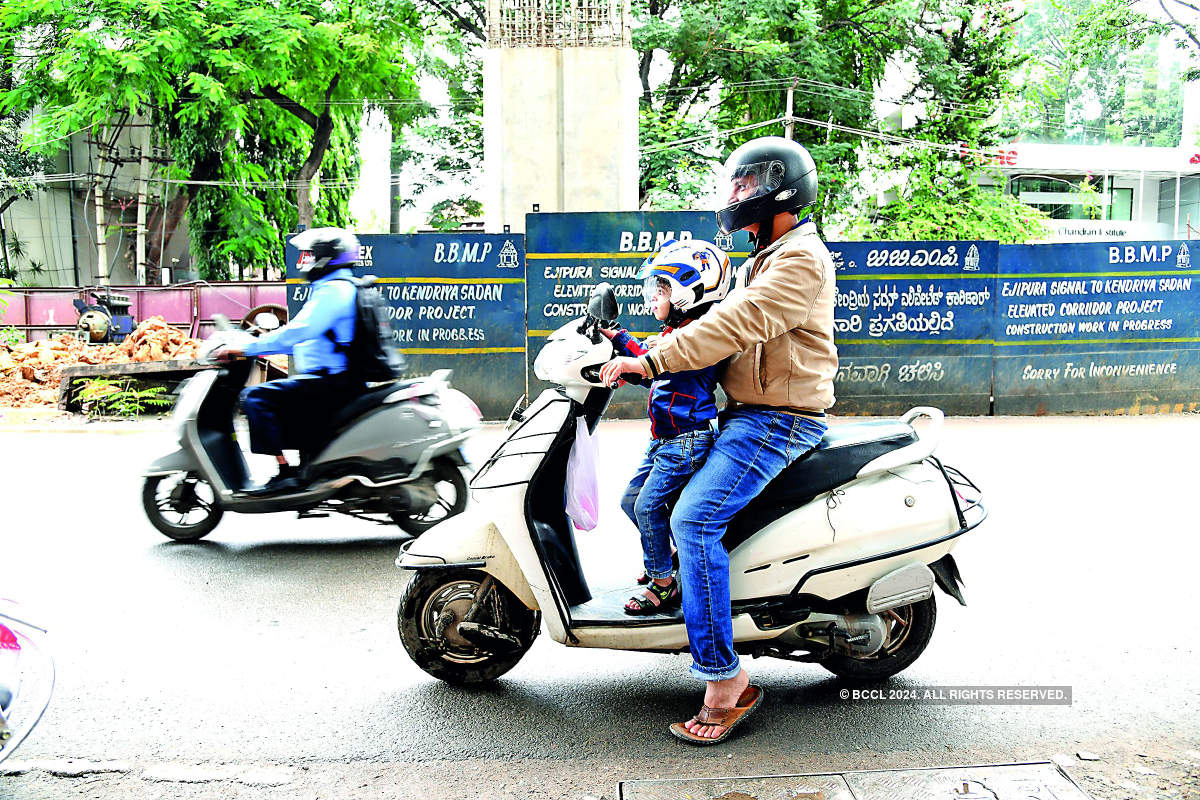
column 698, row 273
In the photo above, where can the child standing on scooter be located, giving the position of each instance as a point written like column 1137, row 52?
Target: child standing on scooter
column 681, row 282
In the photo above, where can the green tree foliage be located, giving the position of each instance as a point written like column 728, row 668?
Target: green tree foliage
column 969, row 56
column 722, row 63
column 1096, row 75
column 728, row 65
column 249, row 95
column 1117, row 23
column 441, row 153
column 936, row 203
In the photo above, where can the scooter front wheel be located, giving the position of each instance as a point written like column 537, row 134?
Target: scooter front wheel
column 182, row 506
column 909, row 630
column 436, row 602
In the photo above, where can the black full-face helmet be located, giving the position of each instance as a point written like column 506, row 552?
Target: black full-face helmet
column 323, row 250
column 767, row 176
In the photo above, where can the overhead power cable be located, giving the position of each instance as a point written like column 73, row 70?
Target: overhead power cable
column 883, row 136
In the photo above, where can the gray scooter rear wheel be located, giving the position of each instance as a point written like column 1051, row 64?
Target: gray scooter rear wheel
column 451, row 489
column 185, row 509
column 911, row 628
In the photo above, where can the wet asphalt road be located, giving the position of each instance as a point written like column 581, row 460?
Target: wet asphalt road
column 273, row 642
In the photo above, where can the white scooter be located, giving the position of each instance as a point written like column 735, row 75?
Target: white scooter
column 834, row 562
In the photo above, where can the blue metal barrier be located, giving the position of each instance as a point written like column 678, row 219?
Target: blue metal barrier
column 1100, row 327
column 971, row 327
column 458, row 302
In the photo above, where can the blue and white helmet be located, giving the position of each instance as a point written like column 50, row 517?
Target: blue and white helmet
column 698, row 273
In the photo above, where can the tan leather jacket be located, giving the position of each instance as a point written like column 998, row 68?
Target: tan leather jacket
column 777, row 325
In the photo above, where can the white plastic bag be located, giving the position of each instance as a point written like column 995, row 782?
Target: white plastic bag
column 583, row 491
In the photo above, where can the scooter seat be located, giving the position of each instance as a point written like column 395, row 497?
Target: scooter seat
column 365, row 402
column 842, row 453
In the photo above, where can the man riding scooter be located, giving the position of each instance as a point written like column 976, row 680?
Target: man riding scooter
column 776, row 328
column 289, row 413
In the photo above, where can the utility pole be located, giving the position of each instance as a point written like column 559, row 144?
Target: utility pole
column 143, row 180
column 789, row 126
column 101, row 243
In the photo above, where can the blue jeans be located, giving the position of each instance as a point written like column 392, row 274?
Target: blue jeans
column 753, row 446
column 664, row 471
column 296, row 413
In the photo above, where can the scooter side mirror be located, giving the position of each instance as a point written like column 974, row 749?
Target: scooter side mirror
column 602, row 305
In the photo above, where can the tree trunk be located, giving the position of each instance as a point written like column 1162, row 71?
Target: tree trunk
column 311, row 166
column 160, row 239
column 322, row 127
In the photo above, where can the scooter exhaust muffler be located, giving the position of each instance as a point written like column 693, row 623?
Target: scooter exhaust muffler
column 485, row 637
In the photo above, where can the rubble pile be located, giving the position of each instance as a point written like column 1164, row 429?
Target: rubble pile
column 30, row 372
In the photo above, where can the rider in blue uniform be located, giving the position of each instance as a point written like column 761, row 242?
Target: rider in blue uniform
column 294, row 412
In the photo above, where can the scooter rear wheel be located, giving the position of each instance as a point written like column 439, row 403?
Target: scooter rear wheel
column 910, row 629
column 451, row 489
column 184, row 509
column 436, row 601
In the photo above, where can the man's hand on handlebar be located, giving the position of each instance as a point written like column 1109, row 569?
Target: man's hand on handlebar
column 611, row 372
column 227, row 354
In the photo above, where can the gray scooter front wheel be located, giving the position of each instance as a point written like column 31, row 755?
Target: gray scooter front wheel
column 448, row 484
column 182, row 506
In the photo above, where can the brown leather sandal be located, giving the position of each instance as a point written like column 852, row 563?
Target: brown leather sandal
column 730, row 718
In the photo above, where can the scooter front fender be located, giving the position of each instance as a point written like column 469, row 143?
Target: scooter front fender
column 470, row 540
column 179, row 461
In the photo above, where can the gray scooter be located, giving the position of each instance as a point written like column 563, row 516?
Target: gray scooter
column 391, row 456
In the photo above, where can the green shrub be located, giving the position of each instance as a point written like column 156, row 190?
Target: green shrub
column 122, row 397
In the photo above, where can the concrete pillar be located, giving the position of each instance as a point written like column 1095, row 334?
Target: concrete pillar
column 560, row 122
column 1142, row 198
column 1178, row 189
column 101, row 240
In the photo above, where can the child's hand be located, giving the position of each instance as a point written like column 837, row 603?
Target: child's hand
column 651, row 342
column 607, row 332
column 611, row 372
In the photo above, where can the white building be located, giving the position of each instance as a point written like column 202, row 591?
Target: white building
column 1146, row 192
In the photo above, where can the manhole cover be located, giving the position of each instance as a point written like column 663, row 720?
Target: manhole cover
column 1036, row 781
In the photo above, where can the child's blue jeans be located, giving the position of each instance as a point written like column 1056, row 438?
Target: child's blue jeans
column 664, row 471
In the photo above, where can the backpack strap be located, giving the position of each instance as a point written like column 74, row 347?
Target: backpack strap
column 338, row 347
